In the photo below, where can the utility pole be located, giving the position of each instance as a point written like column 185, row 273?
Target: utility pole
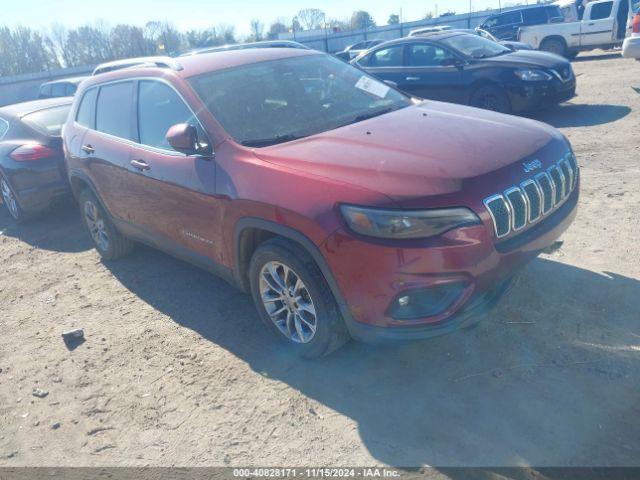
column 470, row 8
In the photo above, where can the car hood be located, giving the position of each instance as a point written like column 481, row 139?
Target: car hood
column 529, row 58
column 424, row 150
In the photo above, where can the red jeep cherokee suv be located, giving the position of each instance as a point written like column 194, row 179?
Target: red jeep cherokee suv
column 345, row 207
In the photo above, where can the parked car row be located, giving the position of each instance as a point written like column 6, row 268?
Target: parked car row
column 345, row 207
column 464, row 68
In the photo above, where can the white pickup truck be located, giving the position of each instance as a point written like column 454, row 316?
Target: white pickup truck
column 603, row 24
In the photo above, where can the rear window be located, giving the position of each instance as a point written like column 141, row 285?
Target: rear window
column 48, row 121
column 509, row 18
column 4, row 126
column 45, row 91
column 113, row 110
column 58, row 90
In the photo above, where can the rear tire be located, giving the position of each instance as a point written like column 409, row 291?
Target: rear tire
column 10, row 201
column 491, row 98
column 553, row 45
column 109, row 243
column 294, row 299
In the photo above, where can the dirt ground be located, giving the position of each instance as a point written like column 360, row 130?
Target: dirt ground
column 176, row 368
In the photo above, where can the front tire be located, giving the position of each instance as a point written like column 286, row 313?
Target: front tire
column 491, row 98
column 109, row 243
column 294, row 300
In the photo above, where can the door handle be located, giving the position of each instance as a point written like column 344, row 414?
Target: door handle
column 412, row 79
column 591, row 24
column 87, row 149
column 140, row 165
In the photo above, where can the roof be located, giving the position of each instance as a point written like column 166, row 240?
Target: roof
column 430, row 35
column 192, row 65
column 73, row 80
column 24, row 108
column 242, row 46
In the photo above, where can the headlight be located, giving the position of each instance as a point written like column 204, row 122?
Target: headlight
column 406, row 224
column 530, row 75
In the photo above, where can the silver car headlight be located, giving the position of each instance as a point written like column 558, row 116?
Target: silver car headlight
column 406, row 224
column 532, row 75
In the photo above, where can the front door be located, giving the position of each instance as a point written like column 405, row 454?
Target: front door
column 433, row 72
column 174, row 198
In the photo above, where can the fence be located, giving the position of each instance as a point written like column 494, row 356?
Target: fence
column 21, row 88
column 332, row 42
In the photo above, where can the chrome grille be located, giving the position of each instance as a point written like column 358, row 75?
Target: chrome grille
column 527, row 203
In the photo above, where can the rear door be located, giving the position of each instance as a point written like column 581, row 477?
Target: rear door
column 172, row 195
column 105, row 149
column 433, row 72
column 597, row 26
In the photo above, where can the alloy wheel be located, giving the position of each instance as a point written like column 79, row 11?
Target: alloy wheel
column 9, row 199
column 288, row 302
column 96, row 225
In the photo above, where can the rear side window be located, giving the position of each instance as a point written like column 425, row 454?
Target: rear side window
column 159, row 108
column 49, row 121
column 601, row 10
column 534, row 16
column 86, row 111
column 45, row 91
column 387, row 57
column 4, row 126
column 113, row 109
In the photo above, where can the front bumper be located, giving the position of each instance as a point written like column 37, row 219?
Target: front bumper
column 371, row 275
column 527, row 96
column 631, row 47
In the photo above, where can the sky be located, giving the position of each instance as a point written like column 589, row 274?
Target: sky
column 199, row 14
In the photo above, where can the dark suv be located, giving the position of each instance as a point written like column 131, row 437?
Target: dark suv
column 505, row 25
column 346, row 208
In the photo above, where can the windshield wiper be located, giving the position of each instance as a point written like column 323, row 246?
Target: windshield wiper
column 368, row 115
column 265, row 142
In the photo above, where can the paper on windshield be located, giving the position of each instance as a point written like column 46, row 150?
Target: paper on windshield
column 372, row 86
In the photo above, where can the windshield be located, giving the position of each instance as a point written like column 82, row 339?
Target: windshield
column 474, row 46
column 48, row 121
column 272, row 102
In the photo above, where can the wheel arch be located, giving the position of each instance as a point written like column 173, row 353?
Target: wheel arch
column 251, row 232
column 559, row 38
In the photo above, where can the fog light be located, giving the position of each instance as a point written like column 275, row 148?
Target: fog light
column 426, row 302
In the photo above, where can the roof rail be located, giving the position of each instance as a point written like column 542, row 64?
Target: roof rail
column 160, row 62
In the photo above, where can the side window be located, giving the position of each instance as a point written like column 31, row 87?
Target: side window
column 4, row 126
column 70, row 89
column 57, row 90
column 534, row 16
column 387, row 57
column 510, row 18
column 490, row 23
column 113, row 110
column 424, row 55
column 86, row 111
column 45, row 91
column 159, row 108
column 601, row 10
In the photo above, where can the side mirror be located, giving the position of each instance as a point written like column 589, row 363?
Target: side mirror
column 183, row 138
